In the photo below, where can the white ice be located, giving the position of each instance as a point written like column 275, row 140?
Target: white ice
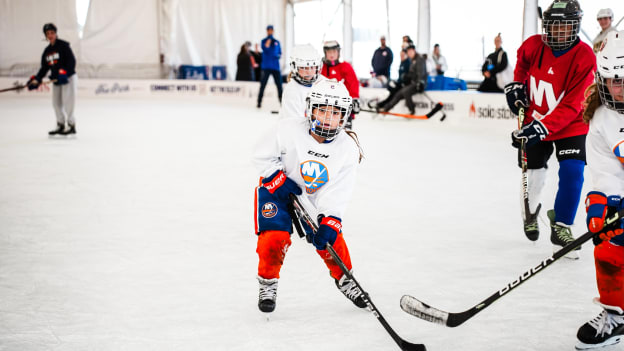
column 138, row 235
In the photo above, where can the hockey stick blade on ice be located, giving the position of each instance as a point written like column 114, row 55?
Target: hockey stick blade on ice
column 300, row 215
column 421, row 310
column 429, row 114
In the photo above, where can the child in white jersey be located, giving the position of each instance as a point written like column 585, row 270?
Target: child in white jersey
column 320, row 158
column 305, row 68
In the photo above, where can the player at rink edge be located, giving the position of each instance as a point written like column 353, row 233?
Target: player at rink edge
column 341, row 71
column 317, row 161
column 604, row 112
column 305, row 69
column 552, row 72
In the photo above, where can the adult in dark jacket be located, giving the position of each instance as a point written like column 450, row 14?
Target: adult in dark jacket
column 271, row 53
column 415, row 81
column 395, row 85
column 382, row 60
column 256, row 56
column 59, row 59
column 496, row 62
column 244, row 69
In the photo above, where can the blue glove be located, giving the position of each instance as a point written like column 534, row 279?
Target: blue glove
column 531, row 133
column 33, row 83
column 327, row 231
column 62, row 79
column 516, row 95
column 281, row 186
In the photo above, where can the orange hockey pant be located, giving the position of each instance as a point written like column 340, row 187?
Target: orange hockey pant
column 609, row 261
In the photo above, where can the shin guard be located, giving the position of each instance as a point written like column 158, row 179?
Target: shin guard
column 609, row 261
column 340, row 246
column 271, row 249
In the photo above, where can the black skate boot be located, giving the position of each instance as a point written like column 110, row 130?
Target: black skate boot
column 348, row 288
column 531, row 228
column 268, row 294
column 606, row 329
column 561, row 235
column 60, row 129
column 71, row 130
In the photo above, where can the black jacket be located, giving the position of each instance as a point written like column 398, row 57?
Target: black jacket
column 382, row 59
column 417, row 73
column 244, row 70
column 55, row 57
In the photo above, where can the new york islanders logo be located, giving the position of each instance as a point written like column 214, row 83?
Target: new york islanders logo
column 269, row 210
column 314, row 175
column 618, row 150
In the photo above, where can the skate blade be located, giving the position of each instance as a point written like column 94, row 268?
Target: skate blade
column 572, row 255
column 612, row 341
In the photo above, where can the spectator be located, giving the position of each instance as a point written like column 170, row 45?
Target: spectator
column 271, row 53
column 256, row 60
column 395, row 86
column 604, row 17
column 244, row 70
column 436, row 64
column 495, row 62
column 407, row 41
column 382, row 59
column 415, row 81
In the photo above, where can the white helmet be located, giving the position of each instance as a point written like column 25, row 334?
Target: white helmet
column 604, row 13
column 304, row 56
column 328, row 93
column 610, row 60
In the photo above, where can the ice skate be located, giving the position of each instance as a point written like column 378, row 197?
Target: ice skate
column 268, row 294
column 71, row 130
column 60, row 129
column 348, row 288
column 560, row 236
column 605, row 329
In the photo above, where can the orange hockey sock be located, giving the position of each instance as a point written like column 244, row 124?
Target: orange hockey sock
column 340, row 246
column 271, row 249
column 609, row 260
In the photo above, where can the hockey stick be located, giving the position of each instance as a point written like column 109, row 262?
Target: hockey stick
column 16, row 86
column 525, row 177
column 300, row 214
column 437, row 106
column 421, row 310
column 429, row 114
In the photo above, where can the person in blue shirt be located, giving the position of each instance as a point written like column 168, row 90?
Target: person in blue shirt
column 271, row 53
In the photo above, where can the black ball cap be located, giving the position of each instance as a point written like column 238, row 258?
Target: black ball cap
column 49, row 26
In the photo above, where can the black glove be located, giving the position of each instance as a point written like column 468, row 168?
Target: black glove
column 356, row 105
column 516, row 96
column 33, row 83
column 531, row 133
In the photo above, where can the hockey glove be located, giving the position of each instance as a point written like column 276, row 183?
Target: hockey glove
column 531, row 133
column 327, row 231
column 356, row 105
column 599, row 207
column 516, row 96
column 280, row 185
column 33, row 83
column 61, row 79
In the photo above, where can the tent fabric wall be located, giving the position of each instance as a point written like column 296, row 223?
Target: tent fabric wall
column 21, row 24
column 212, row 32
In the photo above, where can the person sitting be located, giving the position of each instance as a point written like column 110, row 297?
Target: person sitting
column 395, row 85
column 415, row 81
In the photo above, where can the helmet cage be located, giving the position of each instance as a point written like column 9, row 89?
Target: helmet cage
column 296, row 64
column 560, row 40
column 605, row 96
column 321, row 118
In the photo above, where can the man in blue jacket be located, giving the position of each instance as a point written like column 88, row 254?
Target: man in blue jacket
column 271, row 53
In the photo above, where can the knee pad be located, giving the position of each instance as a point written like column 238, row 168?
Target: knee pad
column 271, row 249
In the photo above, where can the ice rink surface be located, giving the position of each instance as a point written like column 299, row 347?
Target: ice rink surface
column 138, row 235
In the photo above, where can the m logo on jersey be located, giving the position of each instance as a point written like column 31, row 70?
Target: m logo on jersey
column 269, row 210
column 618, row 150
column 541, row 89
column 314, row 175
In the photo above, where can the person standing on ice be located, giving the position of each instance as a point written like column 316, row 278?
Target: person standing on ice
column 320, row 157
column 604, row 112
column 59, row 59
column 333, row 68
column 305, row 69
column 552, row 72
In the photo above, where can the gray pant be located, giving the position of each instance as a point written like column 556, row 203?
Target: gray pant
column 64, row 100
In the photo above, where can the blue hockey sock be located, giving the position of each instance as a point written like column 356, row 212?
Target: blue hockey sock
column 569, row 193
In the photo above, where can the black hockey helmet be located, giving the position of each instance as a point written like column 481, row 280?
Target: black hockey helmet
column 49, row 26
column 561, row 23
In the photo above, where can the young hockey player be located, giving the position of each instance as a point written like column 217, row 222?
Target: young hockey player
column 320, row 158
column 341, row 71
column 553, row 70
column 59, row 59
column 305, row 67
column 605, row 159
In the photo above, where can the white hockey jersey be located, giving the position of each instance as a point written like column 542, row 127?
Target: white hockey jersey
column 605, row 151
column 294, row 99
column 324, row 172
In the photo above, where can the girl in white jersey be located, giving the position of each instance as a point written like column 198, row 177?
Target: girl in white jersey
column 305, row 68
column 320, row 158
column 604, row 111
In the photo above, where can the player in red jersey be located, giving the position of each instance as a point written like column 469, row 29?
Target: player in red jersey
column 341, row 71
column 553, row 70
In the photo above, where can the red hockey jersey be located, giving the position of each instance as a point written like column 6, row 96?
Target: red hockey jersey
column 340, row 71
column 556, row 85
